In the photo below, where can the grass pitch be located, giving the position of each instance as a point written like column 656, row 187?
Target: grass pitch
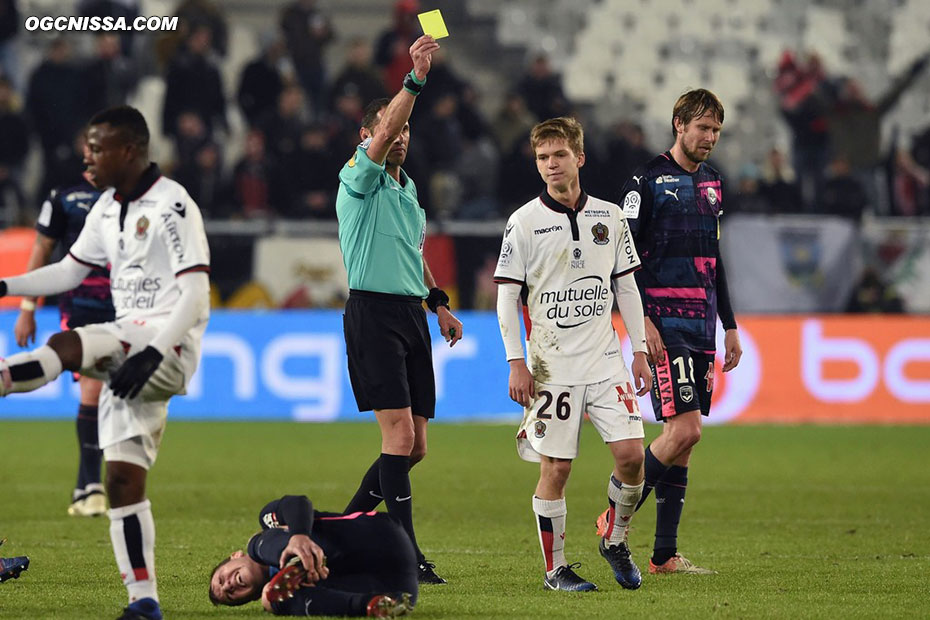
column 799, row 521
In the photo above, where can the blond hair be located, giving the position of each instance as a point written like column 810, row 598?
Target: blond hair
column 561, row 128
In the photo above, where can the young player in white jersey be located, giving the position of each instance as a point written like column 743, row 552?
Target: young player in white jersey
column 150, row 232
column 565, row 251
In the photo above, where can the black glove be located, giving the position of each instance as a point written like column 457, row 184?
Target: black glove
column 2, row 288
column 129, row 378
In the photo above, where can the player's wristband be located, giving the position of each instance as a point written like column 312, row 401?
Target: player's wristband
column 412, row 84
column 28, row 305
column 437, row 297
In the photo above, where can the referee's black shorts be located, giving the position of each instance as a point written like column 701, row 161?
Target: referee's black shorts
column 390, row 353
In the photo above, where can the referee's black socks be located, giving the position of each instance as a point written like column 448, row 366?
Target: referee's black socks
column 395, row 486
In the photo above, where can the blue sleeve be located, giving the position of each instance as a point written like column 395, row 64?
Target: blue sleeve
column 360, row 175
column 297, row 512
column 724, row 307
column 636, row 201
column 266, row 547
column 292, row 511
column 52, row 221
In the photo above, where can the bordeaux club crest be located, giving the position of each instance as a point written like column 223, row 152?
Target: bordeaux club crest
column 142, row 227
column 600, row 234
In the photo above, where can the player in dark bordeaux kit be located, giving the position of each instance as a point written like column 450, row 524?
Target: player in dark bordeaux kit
column 60, row 222
column 307, row 563
column 673, row 205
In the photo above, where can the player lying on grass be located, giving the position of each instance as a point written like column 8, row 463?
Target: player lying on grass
column 307, row 563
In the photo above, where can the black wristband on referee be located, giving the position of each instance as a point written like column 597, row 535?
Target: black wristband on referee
column 2, row 288
column 437, row 297
column 412, row 85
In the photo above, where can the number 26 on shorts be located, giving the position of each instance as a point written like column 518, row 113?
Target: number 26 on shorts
column 563, row 408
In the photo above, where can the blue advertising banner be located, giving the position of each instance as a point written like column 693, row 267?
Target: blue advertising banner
column 292, row 365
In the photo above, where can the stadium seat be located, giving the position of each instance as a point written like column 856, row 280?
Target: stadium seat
column 148, row 99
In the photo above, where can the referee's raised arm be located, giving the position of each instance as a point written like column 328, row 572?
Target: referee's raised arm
column 382, row 230
column 396, row 115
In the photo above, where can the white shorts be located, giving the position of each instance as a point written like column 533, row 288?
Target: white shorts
column 552, row 423
column 106, row 346
column 141, row 450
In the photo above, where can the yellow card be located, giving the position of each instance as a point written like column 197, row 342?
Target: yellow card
column 433, row 24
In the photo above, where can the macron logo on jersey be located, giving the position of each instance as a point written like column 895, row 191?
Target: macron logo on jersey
column 543, row 231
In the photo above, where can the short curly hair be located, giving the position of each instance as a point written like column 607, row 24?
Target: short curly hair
column 127, row 120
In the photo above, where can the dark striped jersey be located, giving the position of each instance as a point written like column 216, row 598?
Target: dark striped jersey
column 674, row 217
column 62, row 218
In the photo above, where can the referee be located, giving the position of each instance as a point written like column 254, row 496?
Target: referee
column 381, row 232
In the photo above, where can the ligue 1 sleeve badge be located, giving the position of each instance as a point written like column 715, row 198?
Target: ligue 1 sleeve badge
column 600, row 234
column 142, row 227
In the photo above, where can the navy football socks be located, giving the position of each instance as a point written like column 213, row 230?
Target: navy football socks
column 90, row 453
column 670, row 500
column 654, row 470
column 369, row 493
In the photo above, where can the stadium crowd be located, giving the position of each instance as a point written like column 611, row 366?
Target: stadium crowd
column 301, row 122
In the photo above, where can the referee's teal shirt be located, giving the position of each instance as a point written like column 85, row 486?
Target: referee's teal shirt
column 381, row 228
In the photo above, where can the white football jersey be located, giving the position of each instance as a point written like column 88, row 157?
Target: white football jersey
column 566, row 260
column 160, row 237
